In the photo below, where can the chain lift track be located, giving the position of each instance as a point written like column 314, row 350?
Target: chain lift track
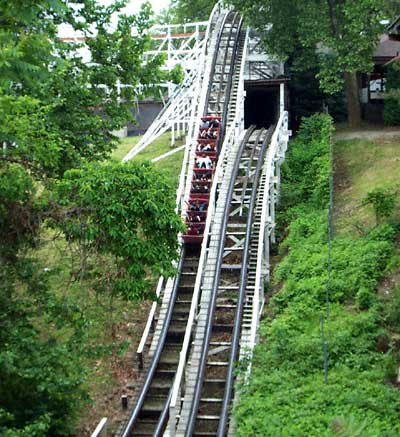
column 210, row 311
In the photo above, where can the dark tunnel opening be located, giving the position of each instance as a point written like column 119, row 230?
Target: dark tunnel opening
column 261, row 105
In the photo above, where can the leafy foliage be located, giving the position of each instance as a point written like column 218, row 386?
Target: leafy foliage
column 40, row 376
column 346, row 31
column 391, row 112
column 57, row 117
column 187, row 11
column 98, row 198
column 305, row 172
column 383, row 201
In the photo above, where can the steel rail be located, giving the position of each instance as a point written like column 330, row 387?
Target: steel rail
column 242, row 290
column 281, row 129
column 156, row 357
column 246, row 179
column 201, row 95
column 211, row 308
column 222, row 74
column 229, row 85
column 161, row 424
column 165, row 411
column 193, row 309
column 214, row 60
column 179, row 193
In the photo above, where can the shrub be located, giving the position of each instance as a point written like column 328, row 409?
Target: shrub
column 391, row 112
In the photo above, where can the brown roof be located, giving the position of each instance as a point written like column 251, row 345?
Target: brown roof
column 387, row 48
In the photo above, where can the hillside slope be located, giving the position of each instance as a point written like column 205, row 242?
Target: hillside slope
column 342, row 299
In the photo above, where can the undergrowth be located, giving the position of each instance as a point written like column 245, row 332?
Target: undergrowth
column 287, row 394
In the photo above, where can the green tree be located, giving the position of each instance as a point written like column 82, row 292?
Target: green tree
column 84, row 102
column 57, row 115
column 391, row 113
column 186, row 11
column 343, row 33
column 96, row 199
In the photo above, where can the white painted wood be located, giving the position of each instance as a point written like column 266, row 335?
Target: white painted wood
column 101, row 428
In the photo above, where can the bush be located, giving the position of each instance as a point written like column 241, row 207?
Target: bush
column 307, row 166
column 383, row 200
column 391, row 112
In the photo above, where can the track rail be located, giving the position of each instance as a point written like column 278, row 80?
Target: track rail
column 222, row 427
column 150, row 412
column 220, row 338
column 157, row 355
column 211, row 312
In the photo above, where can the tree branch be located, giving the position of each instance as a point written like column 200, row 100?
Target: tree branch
column 333, row 19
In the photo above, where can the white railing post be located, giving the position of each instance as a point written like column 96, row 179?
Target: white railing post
column 101, row 429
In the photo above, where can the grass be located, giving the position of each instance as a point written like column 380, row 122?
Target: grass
column 365, row 126
column 170, row 165
column 361, row 166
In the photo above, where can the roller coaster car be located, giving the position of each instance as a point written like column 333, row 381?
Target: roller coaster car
column 196, row 214
column 197, row 210
column 200, row 189
column 195, row 233
column 202, row 174
column 198, row 203
column 200, row 157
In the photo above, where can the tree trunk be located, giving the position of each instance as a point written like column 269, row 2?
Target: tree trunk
column 352, row 99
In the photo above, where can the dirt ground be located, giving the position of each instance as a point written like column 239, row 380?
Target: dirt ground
column 117, row 377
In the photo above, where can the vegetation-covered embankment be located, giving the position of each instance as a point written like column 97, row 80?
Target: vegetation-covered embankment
column 286, row 393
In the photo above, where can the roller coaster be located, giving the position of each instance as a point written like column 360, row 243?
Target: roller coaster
column 209, row 312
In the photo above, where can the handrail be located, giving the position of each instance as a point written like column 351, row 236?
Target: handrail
column 101, row 429
column 242, row 291
column 156, row 357
column 211, row 308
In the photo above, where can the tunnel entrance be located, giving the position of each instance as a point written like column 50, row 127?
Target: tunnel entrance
column 261, row 105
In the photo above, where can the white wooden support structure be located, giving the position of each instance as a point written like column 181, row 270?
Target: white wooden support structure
column 186, row 49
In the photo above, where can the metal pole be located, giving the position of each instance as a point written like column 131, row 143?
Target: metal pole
column 325, row 350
